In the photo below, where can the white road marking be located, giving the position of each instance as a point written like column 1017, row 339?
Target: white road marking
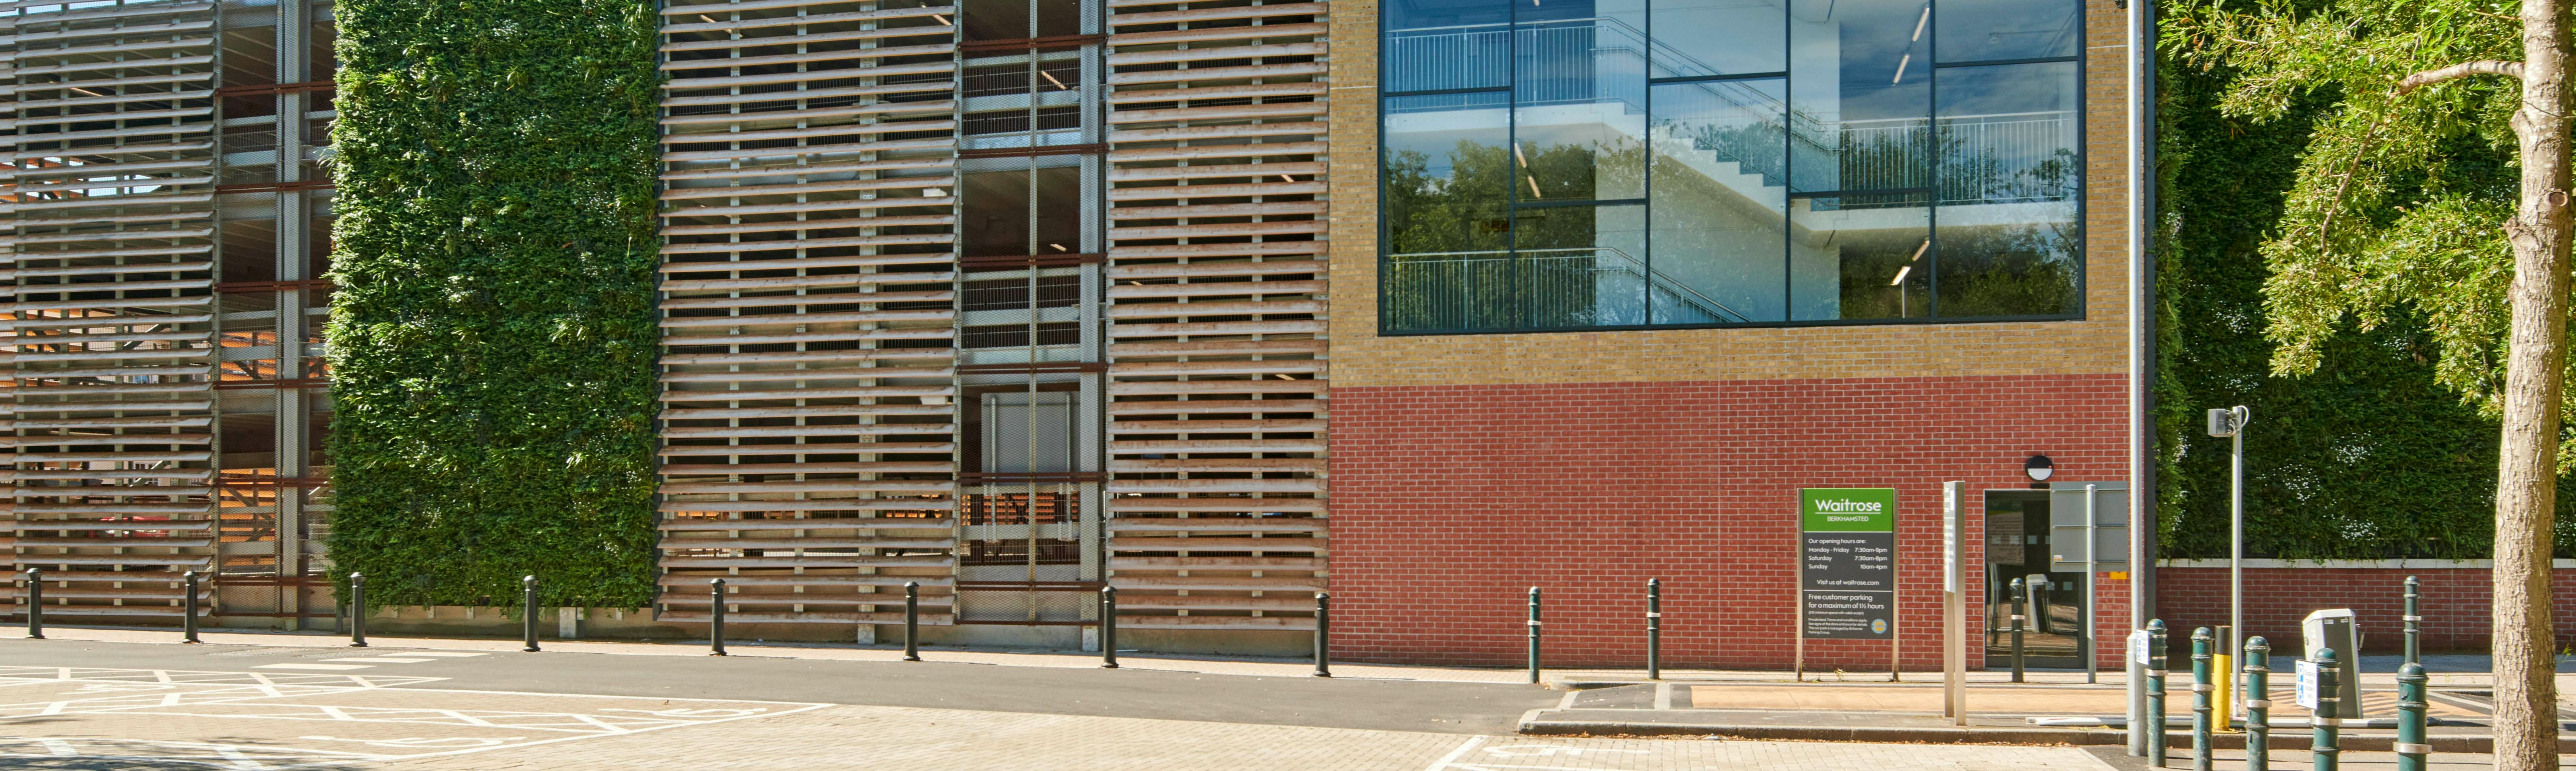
column 1443, row 763
column 383, row 659
column 1549, row 750
column 279, row 696
column 321, row 667
column 445, row 654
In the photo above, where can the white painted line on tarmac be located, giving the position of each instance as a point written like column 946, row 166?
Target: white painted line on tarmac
column 322, row 667
column 384, row 659
column 445, row 654
column 1443, row 763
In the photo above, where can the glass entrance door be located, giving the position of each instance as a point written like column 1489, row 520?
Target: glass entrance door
column 2017, row 547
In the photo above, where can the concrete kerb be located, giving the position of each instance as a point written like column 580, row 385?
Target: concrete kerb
column 1547, row 722
column 1213, row 665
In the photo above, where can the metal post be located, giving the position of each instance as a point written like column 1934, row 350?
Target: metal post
column 2322, row 747
column 2201, row 689
column 1323, row 635
column 1108, row 627
column 35, row 603
column 2155, row 717
column 528, row 612
column 1533, row 635
column 2258, row 705
column 357, row 610
column 2237, row 417
column 188, row 614
column 715, row 616
column 2019, row 614
column 2414, row 622
column 2222, row 680
column 1654, row 629
column 2084, row 637
column 2411, row 748
column 912, row 621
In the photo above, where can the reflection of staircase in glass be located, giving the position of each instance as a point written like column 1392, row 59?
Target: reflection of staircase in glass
column 1541, row 289
column 1997, row 158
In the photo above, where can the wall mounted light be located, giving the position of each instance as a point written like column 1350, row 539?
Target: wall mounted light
column 2039, row 467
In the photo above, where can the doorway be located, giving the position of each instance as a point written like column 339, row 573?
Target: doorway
column 2017, row 546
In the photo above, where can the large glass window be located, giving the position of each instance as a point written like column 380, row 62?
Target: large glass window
column 1572, row 164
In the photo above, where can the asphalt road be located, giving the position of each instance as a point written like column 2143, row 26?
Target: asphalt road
column 1462, row 708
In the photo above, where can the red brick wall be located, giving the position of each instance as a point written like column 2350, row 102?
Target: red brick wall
column 2458, row 604
column 1449, row 502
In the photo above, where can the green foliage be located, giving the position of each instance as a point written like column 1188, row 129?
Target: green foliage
column 2358, row 317
column 493, row 338
column 2399, row 201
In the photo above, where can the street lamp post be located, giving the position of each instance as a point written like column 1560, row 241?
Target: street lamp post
column 2230, row 423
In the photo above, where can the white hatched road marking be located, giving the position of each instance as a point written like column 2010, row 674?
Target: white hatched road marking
column 259, row 698
column 318, row 667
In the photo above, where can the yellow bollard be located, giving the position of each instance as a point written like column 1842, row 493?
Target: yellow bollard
column 2223, row 709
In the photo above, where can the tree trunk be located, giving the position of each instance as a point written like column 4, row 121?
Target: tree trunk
column 2526, row 717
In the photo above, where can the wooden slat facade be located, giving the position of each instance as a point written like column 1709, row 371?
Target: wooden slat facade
column 1216, row 323
column 107, row 182
column 808, row 423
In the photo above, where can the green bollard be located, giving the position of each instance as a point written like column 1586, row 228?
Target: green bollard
column 528, row 612
column 1654, row 629
column 2258, row 705
column 2414, row 621
column 2201, row 690
column 715, row 616
column 2156, row 693
column 357, row 610
column 2322, row 746
column 912, row 621
column 35, row 600
column 188, row 614
column 1533, row 635
column 1108, row 627
column 1323, row 635
column 2412, row 750
column 2018, row 617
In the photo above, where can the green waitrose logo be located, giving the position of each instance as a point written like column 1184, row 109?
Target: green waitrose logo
column 1847, row 509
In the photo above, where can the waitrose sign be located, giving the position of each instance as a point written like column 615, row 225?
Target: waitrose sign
column 1847, row 563
column 1850, row 510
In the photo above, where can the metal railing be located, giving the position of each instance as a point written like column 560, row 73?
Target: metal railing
column 1539, row 289
column 2012, row 157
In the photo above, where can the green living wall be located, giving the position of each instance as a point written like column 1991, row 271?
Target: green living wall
column 493, row 337
column 2368, row 458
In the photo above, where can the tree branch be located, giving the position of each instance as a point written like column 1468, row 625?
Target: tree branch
column 2460, row 70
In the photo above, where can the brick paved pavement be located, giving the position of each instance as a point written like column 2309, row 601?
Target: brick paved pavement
column 125, row 719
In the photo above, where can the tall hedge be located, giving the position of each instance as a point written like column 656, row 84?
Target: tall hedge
column 493, row 338
column 2368, row 458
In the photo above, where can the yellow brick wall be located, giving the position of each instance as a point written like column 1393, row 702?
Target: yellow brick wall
column 2095, row 345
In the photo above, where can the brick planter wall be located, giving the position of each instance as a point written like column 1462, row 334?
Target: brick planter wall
column 1449, row 502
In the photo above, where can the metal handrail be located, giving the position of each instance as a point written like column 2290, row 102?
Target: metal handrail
column 1654, row 278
